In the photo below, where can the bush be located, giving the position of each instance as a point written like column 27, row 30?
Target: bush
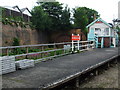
column 16, row 42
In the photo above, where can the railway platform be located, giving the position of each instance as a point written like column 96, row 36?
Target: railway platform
column 55, row 71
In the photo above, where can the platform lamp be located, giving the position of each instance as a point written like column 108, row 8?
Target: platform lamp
column 118, row 23
column 116, row 20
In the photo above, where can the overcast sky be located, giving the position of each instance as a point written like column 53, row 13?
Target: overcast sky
column 108, row 9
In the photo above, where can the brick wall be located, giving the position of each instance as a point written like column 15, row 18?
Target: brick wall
column 28, row 36
column 25, row 35
column 65, row 36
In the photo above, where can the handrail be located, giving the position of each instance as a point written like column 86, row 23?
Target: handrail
column 37, row 52
column 23, row 46
column 83, row 45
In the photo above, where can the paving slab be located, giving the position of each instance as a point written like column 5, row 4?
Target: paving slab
column 45, row 73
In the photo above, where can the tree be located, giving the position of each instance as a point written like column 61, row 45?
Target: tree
column 54, row 11
column 65, row 19
column 83, row 16
column 91, row 14
column 39, row 18
column 80, row 19
column 118, row 28
column 51, row 16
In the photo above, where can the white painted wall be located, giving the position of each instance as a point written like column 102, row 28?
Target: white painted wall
column 119, row 10
column 99, row 25
column 102, row 26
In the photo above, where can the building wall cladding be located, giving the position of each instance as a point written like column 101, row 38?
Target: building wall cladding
column 26, row 36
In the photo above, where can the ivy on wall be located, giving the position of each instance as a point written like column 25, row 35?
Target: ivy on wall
column 14, row 21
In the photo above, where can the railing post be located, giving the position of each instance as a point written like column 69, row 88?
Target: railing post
column 7, row 50
column 27, row 50
column 42, row 53
column 87, row 45
column 64, row 48
column 94, row 44
column 78, row 43
column 54, row 49
column 72, row 45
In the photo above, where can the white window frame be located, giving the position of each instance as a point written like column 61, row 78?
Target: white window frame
column 98, row 34
column 108, row 32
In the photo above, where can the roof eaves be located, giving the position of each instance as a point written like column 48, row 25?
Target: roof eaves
column 99, row 20
column 23, row 9
column 17, row 8
column 106, row 23
column 28, row 10
column 91, row 23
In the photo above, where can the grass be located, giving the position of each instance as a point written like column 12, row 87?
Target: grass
column 44, row 55
column 18, row 51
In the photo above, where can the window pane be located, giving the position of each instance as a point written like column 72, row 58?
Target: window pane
column 106, row 31
column 97, row 31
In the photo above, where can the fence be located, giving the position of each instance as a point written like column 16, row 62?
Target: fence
column 41, row 52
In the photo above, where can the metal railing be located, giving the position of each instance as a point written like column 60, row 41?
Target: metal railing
column 45, row 51
column 82, row 46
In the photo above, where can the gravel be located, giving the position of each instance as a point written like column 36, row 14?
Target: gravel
column 108, row 79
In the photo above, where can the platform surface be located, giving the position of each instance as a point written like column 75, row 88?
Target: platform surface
column 45, row 73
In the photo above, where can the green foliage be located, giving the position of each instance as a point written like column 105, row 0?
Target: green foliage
column 91, row 14
column 65, row 19
column 16, row 42
column 52, row 53
column 18, row 21
column 0, row 14
column 33, row 50
column 6, row 21
column 15, row 21
column 54, row 11
column 16, row 51
column 39, row 18
column 83, row 16
column 31, row 25
column 59, row 52
column 118, row 28
column 80, row 19
column 51, row 16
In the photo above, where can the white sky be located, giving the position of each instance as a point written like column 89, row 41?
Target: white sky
column 108, row 9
